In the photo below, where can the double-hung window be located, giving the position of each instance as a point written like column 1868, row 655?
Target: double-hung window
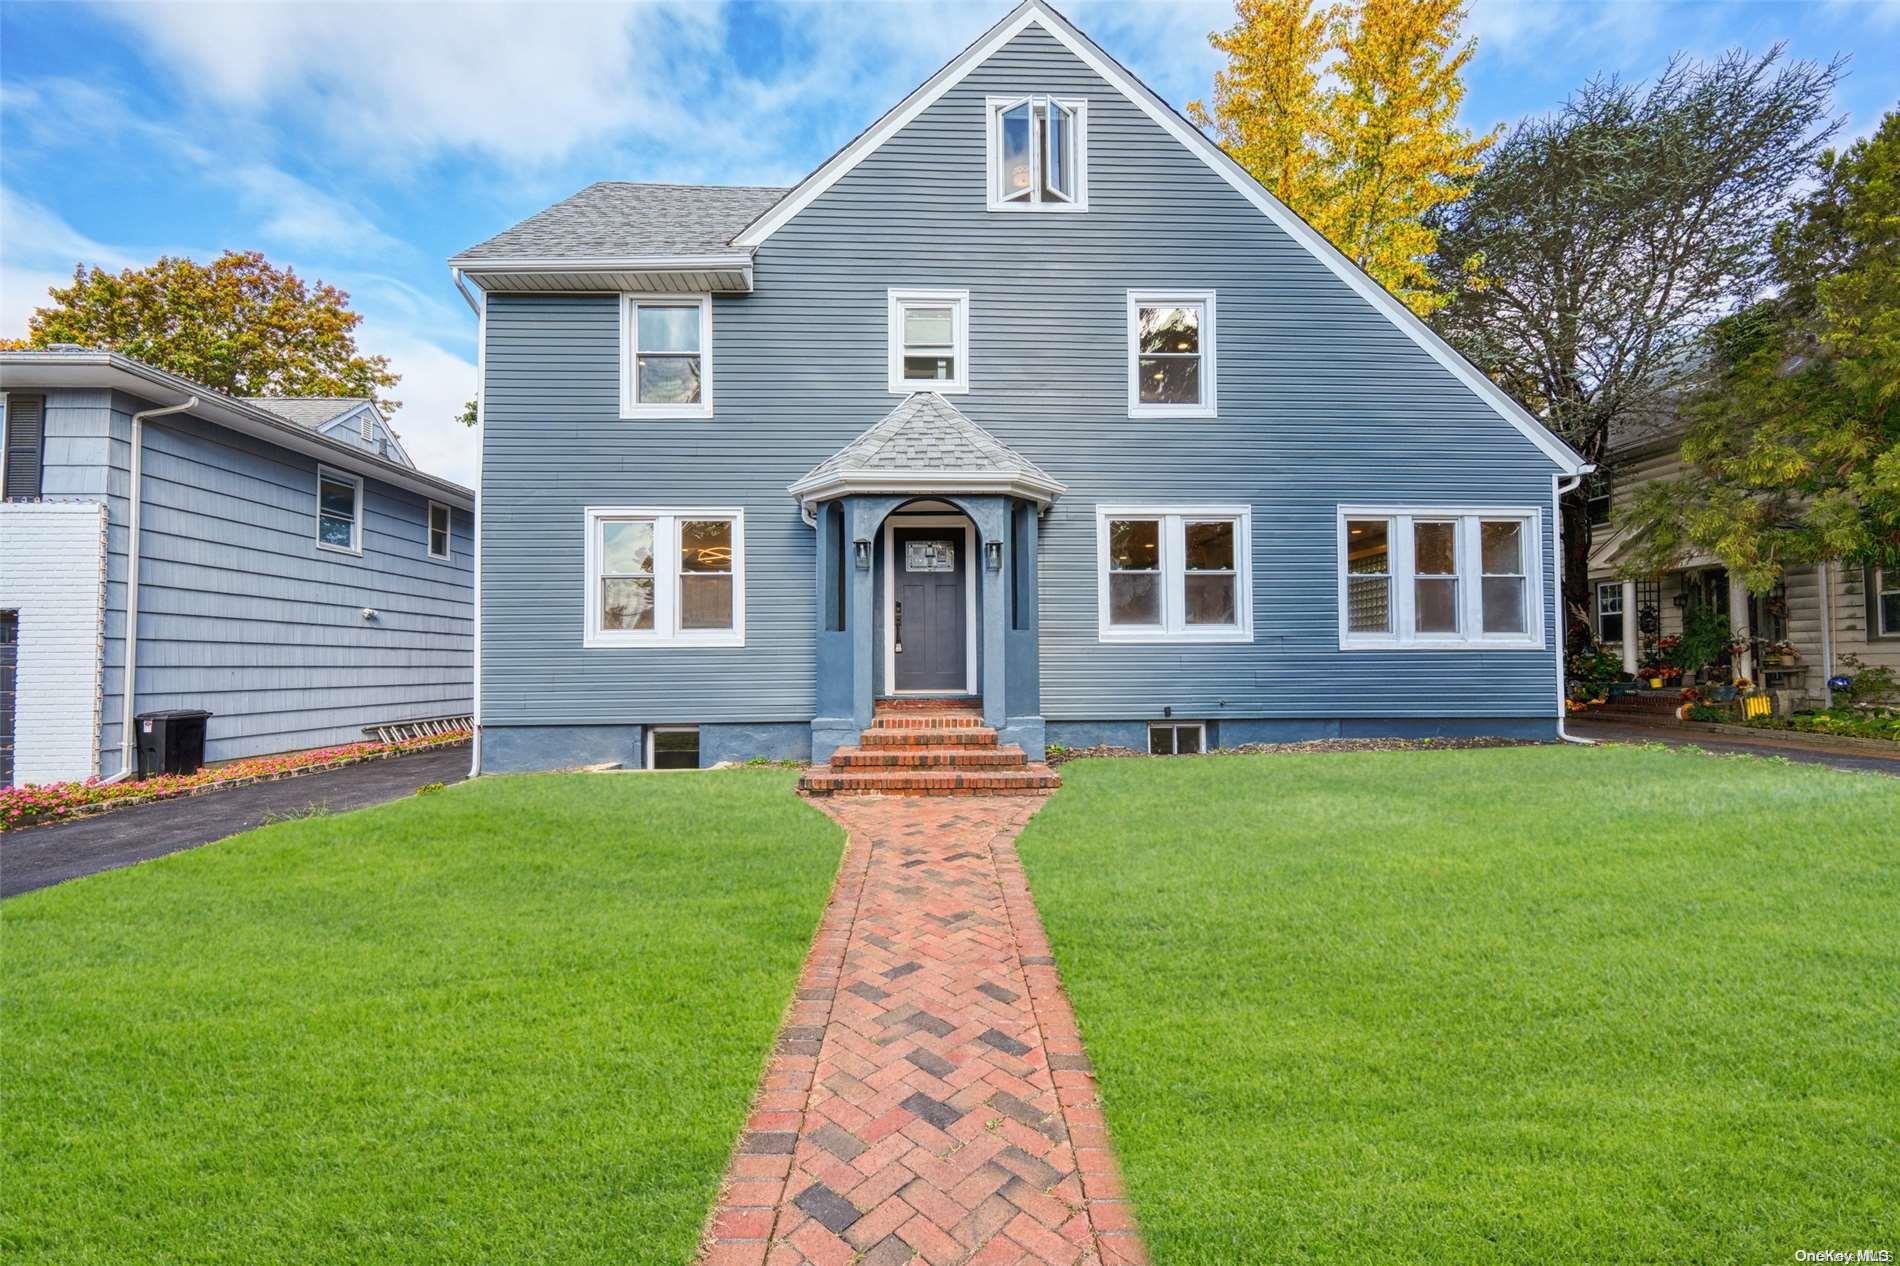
column 1883, row 591
column 339, row 511
column 1038, row 153
column 1171, row 354
column 1174, row 573
column 439, row 540
column 666, row 356
column 663, row 577
column 929, row 340
column 1422, row 578
column 1610, row 612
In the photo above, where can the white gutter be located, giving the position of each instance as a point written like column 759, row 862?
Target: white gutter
column 1561, row 485
column 127, row 690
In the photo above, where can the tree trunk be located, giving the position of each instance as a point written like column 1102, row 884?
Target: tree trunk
column 1576, row 596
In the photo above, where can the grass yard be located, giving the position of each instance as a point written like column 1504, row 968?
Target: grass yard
column 513, row 1021
column 1527, row 1005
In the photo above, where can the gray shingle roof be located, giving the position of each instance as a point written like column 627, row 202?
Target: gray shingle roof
column 615, row 219
column 925, row 434
column 310, row 411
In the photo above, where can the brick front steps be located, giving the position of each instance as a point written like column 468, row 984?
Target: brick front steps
column 928, row 747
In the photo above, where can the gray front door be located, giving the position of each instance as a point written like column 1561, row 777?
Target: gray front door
column 927, row 622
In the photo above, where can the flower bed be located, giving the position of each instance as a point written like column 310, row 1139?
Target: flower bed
column 34, row 805
column 1843, row 722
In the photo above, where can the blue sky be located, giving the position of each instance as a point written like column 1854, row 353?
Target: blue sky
column 364, row 143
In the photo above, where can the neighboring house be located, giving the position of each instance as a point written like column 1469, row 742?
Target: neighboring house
column 1822, row 612
column 1028, row 396
column 293, row 580
column 357, row 422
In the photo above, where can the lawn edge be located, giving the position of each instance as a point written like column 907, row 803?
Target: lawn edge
column 1110, row 1213
column 741, row 1222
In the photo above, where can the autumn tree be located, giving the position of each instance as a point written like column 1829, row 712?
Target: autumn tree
column 1347, row 112
column 239, row 325
column 1793, row 453
column 1613, row 232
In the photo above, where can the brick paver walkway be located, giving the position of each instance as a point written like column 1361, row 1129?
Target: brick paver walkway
column 929, row 1099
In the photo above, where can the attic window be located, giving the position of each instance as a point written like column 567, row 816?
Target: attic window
column 1037, row 149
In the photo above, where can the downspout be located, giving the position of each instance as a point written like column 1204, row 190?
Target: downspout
column 1561, row 486
column 127, row 691
column 480, row 308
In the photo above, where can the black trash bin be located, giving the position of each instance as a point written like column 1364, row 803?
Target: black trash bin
column 171, row 742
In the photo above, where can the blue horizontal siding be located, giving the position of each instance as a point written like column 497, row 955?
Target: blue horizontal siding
column 1321, row 401
column 239, row 611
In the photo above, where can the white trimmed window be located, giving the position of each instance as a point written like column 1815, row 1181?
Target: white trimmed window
column 439, row 537
column 1174, row 573
column 1610, row 612
column 929, row 340
column 1438, row 578
column 1037, row 148
column 339, row 511
column 1176, row 738
column 665, row 577
column 1886, row 595
column 1171, row 354
column 672, row 747
column 666, row 356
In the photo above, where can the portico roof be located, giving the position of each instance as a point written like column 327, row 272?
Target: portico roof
column 926, row 445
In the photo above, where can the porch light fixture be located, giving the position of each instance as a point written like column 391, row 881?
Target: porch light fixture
column 993, row 555
column 862, row 548
column 1681, row 600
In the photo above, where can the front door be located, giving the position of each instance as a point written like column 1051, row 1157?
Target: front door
column 928, row 609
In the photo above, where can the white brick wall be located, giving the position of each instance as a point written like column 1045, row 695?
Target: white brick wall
column 52, row 571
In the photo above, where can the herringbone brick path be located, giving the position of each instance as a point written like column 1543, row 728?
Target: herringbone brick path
column 929, row 1099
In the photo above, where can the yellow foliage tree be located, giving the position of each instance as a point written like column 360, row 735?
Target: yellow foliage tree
column 1347, row 112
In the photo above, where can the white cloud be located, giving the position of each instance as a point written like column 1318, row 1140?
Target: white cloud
column 518, row 82
column 294, row 213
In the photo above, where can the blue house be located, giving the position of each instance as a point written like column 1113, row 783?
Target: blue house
column 280, row 563
column 1028, row 414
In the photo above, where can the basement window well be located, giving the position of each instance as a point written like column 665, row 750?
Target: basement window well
column 673, row 747
column 1177, row 738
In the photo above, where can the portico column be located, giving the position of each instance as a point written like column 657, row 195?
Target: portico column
column 1631, row 633
column 1744, row 665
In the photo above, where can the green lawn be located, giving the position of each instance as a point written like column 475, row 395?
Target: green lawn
column 515, row 1021
column 1525, row 1005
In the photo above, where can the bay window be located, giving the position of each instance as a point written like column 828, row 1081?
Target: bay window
column 1038, row 153
column 1169, row 573
column 665, row 577
column 1422, row 578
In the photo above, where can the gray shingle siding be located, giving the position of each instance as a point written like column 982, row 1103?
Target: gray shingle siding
column 240, row 613
column 1322, row 401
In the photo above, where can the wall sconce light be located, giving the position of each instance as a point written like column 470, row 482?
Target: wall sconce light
column 862, row 549
column 993, row 555
column 1681, row 600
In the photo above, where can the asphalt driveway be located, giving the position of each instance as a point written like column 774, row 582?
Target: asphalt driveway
column 53, row 854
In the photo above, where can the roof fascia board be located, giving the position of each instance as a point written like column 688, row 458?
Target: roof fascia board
column 833, row 483
column 601, row 263
column 112, row 371
column 1171, row 121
